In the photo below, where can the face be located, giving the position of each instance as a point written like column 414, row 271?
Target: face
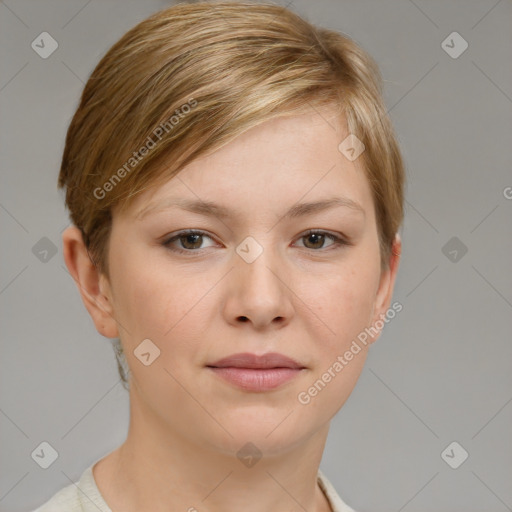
column 258, row 275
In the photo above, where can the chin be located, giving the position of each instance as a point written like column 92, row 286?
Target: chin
column 269, row 434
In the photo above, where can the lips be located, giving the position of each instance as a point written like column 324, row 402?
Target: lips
column 253, row 361
column 257, row 374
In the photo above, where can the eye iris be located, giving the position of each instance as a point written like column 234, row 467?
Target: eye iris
column 317, row 237
column 190, row 236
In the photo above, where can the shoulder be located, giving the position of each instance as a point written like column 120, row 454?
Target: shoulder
column 65, row 500
column 337, row 504
column 81, row 496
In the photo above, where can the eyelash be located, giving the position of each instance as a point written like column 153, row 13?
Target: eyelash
column 338, row 242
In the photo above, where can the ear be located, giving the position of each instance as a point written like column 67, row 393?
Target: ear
column 93, row 286
column 385, row 290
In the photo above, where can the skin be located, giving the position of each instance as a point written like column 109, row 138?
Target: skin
column 300, row 297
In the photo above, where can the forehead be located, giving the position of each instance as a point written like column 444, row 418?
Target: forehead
column 286, row 160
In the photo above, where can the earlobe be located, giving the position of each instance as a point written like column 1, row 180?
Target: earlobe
column 386, row 287
column 95, row 295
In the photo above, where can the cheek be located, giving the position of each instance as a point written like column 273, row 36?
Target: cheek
column 346, row 309
column 343, row 302
column 160, row 304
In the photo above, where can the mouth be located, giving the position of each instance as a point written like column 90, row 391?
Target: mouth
column 257, row 373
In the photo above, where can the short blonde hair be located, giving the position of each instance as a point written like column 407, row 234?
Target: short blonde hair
column 191, row 78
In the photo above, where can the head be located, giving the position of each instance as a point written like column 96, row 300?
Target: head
column 244, row 106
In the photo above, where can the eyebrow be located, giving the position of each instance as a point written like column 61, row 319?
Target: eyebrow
column 212, row 209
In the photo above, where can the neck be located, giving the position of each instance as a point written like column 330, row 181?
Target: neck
column 159, row 469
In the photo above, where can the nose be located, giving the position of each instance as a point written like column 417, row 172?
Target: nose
column 259, row 292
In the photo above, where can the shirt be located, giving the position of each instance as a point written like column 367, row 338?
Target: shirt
column 84, row 496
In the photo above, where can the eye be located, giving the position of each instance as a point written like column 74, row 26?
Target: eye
column 316, row 239
column 191, row 241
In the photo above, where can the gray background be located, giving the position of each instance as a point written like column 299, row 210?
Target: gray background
column 441, row 371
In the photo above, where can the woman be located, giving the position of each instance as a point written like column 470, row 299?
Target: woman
column 236, row 192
